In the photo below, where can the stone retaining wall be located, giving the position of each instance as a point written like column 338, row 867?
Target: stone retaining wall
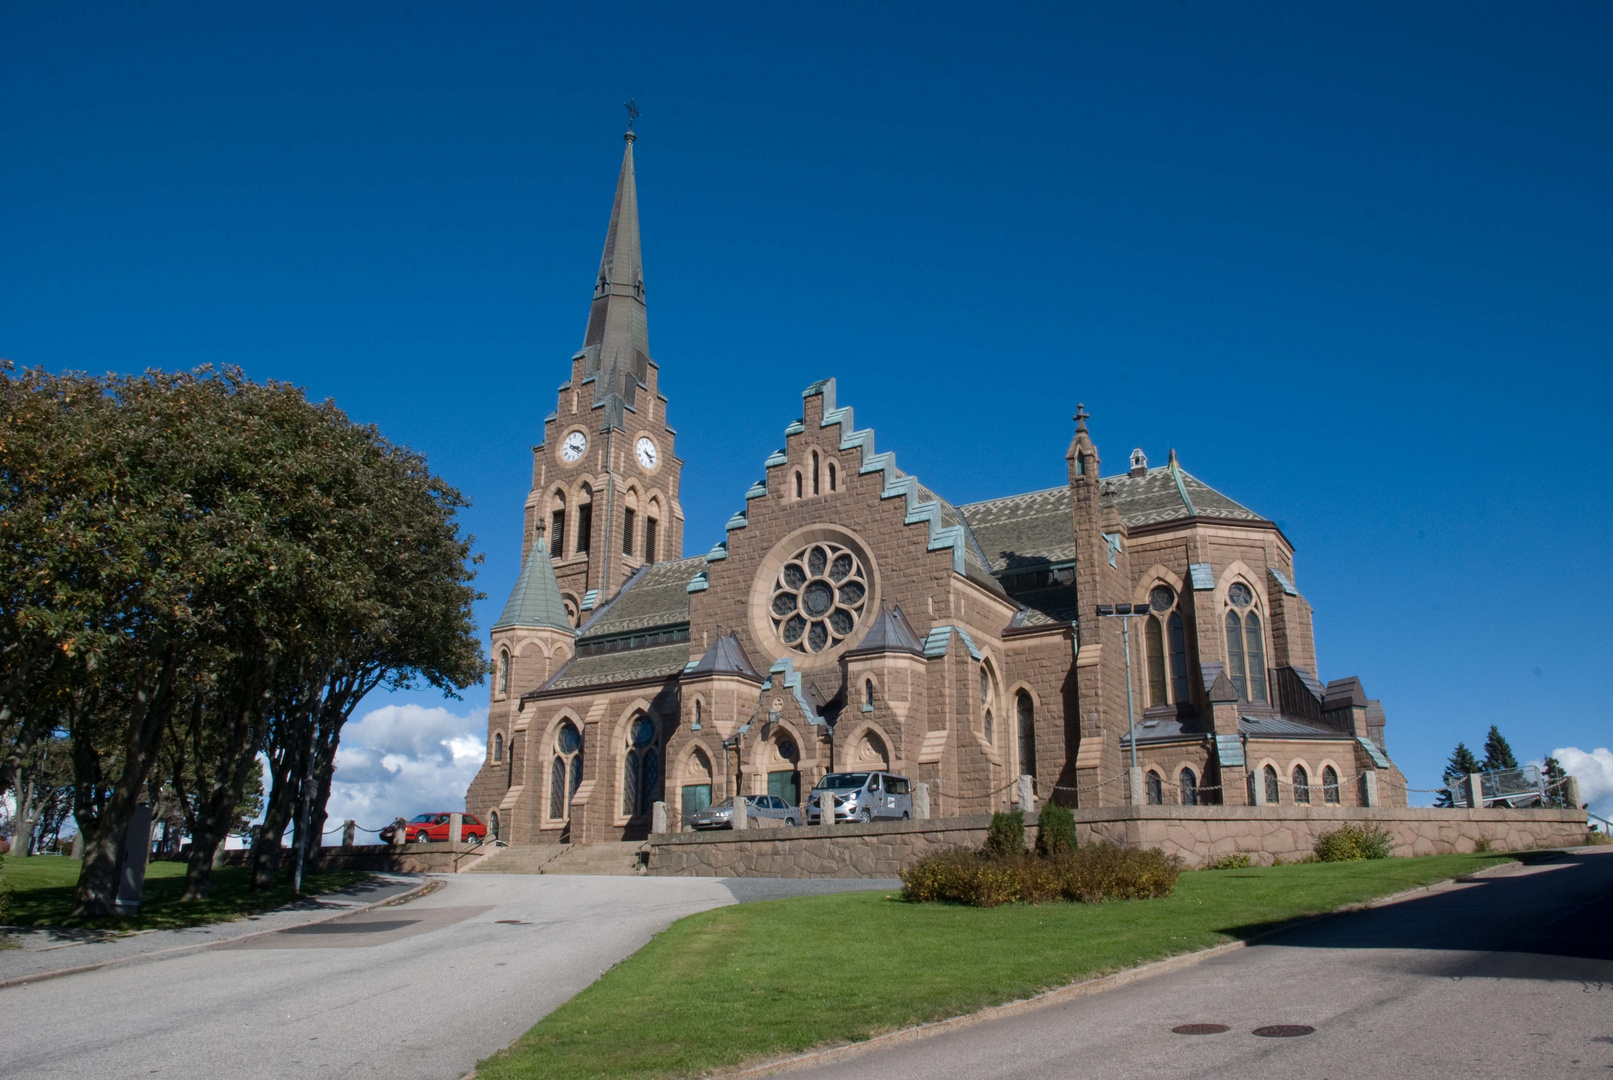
column 431, row 858
column 1197, row 835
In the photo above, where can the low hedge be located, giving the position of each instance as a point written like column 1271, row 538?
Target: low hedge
column 1350, row 842
column 1089, row 875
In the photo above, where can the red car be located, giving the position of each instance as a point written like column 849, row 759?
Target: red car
column 423, row 828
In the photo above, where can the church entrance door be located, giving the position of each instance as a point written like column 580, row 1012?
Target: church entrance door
column 786, row 785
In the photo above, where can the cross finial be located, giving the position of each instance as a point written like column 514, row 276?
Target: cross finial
column 632, row 112
column 1081, row 417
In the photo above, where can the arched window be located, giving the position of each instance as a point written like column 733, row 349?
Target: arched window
column 557, row 527
column 1155, row 790
column 585, row 519
column 814, row 472
column 868, row 693
column 641, row 768
column 697, row 714
column 627, row 531
column 1246, row 648
column 651, row 527
column 1330, row 784
column 1027, row 733
column 498, row 747
column 798, row 485
column 1156, row 664
column 503, row 672
column 565, row 771
column 991, row 735
column 1273, row 795
column 492, row 825
column 1178, row 641
column 1302, row 785
column 831, row 476
column 1189, row 785
column 985, row 685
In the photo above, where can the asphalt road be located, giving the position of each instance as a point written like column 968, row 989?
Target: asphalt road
column 415, row 992
column 1507, row 976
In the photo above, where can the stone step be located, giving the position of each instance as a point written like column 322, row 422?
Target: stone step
column 609, row 858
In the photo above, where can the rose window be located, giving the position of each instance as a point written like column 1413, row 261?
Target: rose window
column 819, row 597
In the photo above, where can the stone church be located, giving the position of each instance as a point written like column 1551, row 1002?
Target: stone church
column 853, row 618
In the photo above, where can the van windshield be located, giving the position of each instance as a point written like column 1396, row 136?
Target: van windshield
column 843, row 781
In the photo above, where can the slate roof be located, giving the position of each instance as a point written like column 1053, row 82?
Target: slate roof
column 656, row 595
column 659, row 661
column 725, row 657
column 1157, row 496
column 890, row 632
column 535, row 600
column 1256, row 727
column 1027, row 530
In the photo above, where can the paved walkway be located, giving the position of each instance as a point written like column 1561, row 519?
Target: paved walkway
column 419, row 991
column 55, row 949
column 1510, row 975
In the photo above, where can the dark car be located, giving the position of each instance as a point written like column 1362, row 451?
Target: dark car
column 423, row 828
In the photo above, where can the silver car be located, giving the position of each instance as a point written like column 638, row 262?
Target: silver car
column 862, row 796
column 721, row 816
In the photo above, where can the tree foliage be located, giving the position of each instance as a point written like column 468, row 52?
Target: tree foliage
column 1497, row 752
column 1462, row 762
column 196, row 569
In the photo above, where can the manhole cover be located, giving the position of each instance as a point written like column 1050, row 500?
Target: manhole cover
column 1199, row 1029
column 1282, row 1031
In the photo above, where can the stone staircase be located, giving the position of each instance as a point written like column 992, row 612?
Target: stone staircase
column 609, row 858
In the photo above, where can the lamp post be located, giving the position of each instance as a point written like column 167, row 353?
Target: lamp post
column 1125, row 613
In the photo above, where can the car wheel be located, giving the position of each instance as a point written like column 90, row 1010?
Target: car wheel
column 473, row 839
column 421, row 837
column 865, row 815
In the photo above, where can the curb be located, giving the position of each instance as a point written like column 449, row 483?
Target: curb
column 1074, row 991
column 426, row 885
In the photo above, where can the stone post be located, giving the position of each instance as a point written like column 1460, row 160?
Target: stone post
column 456, row 828
column 921, row 802
column 349, row 827
column 1134, row 780
column 1474, row 793
column 1257, row 784
column 1369, row 788
column 399, row 827
column 658, row 817
column 1027, row 794
column 1571, row 792
column 741, row 818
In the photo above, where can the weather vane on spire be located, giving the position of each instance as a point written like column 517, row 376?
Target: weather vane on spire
column 632, row 112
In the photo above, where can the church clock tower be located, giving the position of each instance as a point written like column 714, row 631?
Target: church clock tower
column 605, row 478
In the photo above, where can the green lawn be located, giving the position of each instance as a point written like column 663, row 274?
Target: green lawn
column 42, row 894
column 758, row 980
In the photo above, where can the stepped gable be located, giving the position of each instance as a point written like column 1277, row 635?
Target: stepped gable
column 656, row 595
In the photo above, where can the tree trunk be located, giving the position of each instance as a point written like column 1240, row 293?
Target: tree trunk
column 22, row 837
column 277, row 813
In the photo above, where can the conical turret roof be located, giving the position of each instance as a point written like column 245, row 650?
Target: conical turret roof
column 535, row 600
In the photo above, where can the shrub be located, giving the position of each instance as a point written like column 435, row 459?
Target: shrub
column 1482, row 844
column 1238, row 860
column 1055, row 831
column 1348, row 843
column 1596, row 837
column 1005, row 836
column 1090, row 875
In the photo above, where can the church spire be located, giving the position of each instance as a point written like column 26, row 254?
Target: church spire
column 616, row 346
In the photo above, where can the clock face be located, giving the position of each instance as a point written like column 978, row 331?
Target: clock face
column 646, row 453
column 573, row 447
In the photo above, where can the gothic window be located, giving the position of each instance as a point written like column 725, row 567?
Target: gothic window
column 1189, row 785
column 1154, row 788
column 814, row 472
column 585, row 520
column 503, row 672
column 1027, row 733
column 498, row 747
column 798, row 485
column 1273, row 795
column 985, row 685
column 641, row 768
column 818, row 597
column 1330, row 784
column 565, row 771
column 991, row 735
column 697, row 714
column 1246, row 648
column 1155, row 638
column 831, row 476
column 868, row 693
column 1302, row 785
column 492, row 825
column 1178, row 641
column 627, row 532
column 557, row 534
column 650, row 526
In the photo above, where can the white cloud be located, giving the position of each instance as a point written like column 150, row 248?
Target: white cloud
column 1594, row 770
column 401, row 760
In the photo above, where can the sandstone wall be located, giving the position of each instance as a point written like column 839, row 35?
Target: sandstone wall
column 1197, row 835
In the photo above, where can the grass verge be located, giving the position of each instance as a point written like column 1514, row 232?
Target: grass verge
column 42, row 895
column 766, row 979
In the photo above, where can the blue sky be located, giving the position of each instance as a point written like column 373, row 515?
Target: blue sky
column 1350, row 262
